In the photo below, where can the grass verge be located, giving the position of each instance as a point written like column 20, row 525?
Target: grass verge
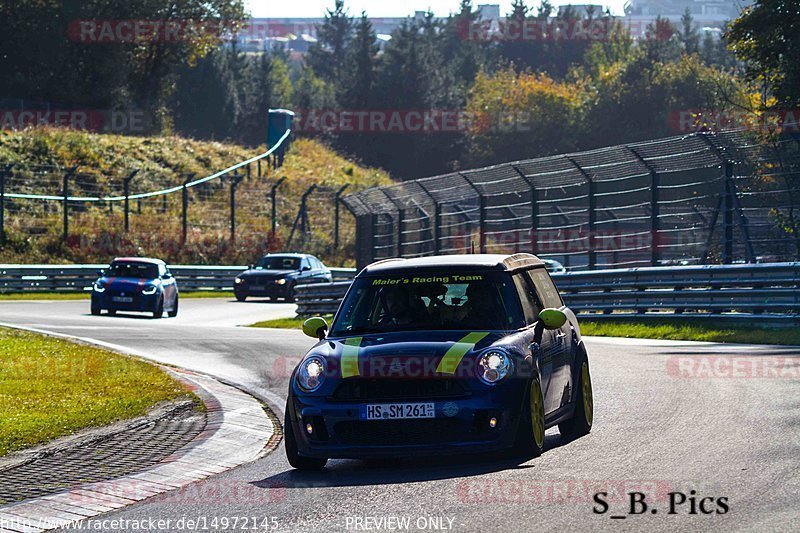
column 691, row 331
column 33, row 296
column 283, row 323
column 51, row 387
column 670, row 330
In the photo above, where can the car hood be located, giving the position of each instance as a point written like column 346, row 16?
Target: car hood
column 265, row 274
column 407, row 354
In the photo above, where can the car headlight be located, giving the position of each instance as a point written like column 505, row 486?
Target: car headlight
column 494, row 366
column 150, row 289
column 311, row 373
column 98, row 287
column 238, row 281
column 281, row 281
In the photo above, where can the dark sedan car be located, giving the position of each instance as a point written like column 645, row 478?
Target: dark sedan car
column 438, row 355
column 136, row 284
column 276, row 275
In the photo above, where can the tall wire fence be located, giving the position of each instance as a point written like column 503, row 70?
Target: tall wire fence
column 701, row 198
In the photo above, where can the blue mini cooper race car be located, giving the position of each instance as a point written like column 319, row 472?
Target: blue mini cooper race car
column 437, row 355
column 136, row 284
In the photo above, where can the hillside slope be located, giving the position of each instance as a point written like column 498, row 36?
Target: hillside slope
column 34, row 227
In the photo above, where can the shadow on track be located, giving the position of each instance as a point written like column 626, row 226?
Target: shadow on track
column 353, row 473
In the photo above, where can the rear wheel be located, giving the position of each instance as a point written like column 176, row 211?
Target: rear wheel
column 581, row 422
column 96, row 309
column 159, row 312
column 295, row 459
column 174, row 312
column 112, row 312
column 241, row 297
column 530, row 434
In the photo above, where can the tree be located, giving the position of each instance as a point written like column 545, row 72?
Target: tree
column 327, row 56
column 689, row 34
column 766, row 39
column 357, row 86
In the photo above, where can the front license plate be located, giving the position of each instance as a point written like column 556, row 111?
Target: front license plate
column 122, row 299
column 397, row 411
column 257, row 288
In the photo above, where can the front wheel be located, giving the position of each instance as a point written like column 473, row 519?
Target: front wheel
column 159, row 312
column 295, row 459
column 530, row 434
column 581, row 422
column 174, row 312
column 241, row 297
column 96, row 310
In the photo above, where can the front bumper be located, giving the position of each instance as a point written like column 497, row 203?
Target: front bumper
column 139, row 302
column 268, row 289
column 461, row 425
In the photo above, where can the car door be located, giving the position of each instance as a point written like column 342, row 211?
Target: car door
column 532, row 306
column 169, row 285
column 563, row 349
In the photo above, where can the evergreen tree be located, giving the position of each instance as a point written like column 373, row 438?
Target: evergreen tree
column 689, row 35
column 327, row 56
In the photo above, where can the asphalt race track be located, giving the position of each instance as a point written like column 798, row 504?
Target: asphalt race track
column 656, row 431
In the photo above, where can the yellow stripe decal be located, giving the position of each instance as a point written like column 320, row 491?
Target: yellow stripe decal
column 456, row 353
column 350, row 357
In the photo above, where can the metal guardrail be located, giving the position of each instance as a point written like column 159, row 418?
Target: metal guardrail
column 71, row 278
column 730, row 292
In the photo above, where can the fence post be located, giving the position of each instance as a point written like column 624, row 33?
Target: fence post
column 302, row 215
column 235, row 180
column 727, row 216
column 336, row 216
column 655, row 207
column 259, row 168
column 481, row 214
column 185, row 209
column 6, row 170
column 273, row 202
column 65, row 192
column 592, row 221
column 401, row 213
column 437, row 214
column 126, row 183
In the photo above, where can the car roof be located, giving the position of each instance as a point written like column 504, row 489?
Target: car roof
column 290, row 254
column 472, row 261
column 147, row 260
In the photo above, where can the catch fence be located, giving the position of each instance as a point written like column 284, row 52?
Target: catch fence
column 695, row 199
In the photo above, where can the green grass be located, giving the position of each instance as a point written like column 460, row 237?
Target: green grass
column 671, row 330
column 691, row 331
column 51, row 387
column 282, row 323
column 29, row 296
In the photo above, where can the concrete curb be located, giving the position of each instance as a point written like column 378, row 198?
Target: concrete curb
column 239, row 430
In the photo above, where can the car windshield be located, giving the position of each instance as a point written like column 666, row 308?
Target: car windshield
column 277, row 262
column 430, row 302
column 133, row 270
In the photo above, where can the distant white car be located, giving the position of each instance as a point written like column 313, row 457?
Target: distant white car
column 554, row 267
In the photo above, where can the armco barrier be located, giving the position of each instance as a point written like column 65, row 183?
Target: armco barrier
column 730, row 292
column 71, row 278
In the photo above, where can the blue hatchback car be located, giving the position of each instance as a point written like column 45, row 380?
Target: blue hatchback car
column 438, row 355
column 136, row 284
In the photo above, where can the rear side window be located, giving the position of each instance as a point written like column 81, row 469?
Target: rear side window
column 531, row 304
column 546, row 288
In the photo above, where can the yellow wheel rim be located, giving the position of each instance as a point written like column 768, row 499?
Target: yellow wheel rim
column 588, row 401
column 537, row 413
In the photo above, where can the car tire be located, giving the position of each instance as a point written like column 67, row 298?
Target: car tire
column 295, row 459
column 112, row 312
column 96, row 310
column 530, row 433
column 290, row 295
column 581, row 422
column 174, row 312
column 241, row 297
column 159, row 312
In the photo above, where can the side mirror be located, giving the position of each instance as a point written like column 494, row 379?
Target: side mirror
column 305, row 269
column 552, row 318
column 315, row 327
column 101, row 273
column 167, row 276
column 250, row 266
